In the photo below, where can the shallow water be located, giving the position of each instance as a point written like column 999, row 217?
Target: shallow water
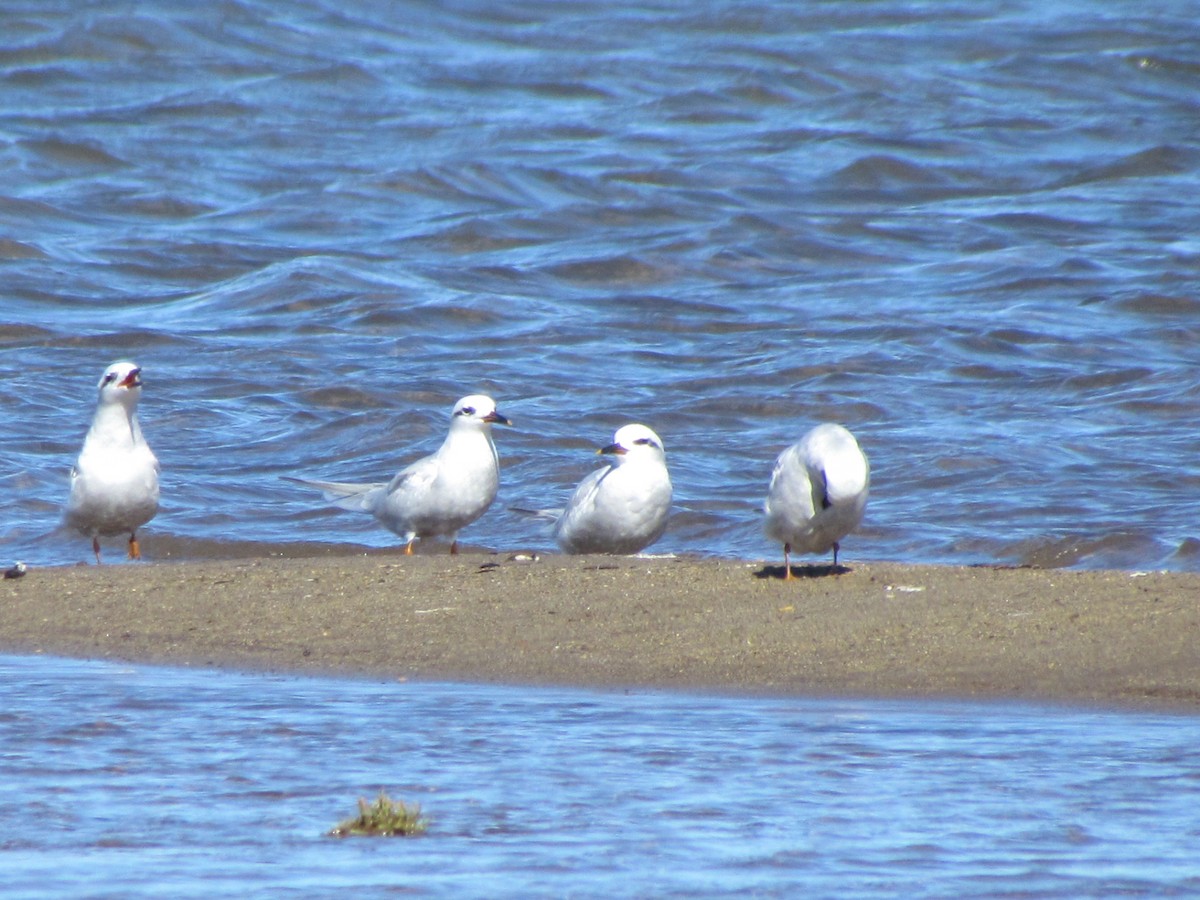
column 131, row 781
column 965, row 230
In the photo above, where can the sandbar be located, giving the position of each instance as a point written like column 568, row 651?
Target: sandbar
column 881, row 630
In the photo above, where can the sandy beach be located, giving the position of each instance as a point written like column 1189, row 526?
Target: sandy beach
column 1124, row 639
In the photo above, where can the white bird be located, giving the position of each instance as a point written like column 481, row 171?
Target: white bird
column 818, row 493
column 114, row 483
column 624, row 506
column 441, row 493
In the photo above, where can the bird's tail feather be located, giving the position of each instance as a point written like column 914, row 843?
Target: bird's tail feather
column 343, row 494
column 552, row 514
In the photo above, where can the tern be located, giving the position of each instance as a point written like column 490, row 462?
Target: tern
column 114, row 483
column 623, row 507
column 441, row 493
column 818, row 493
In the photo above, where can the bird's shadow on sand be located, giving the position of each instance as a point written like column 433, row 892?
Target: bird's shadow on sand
column 802, row 571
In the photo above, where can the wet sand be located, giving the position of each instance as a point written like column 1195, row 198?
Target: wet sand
column 877, row 630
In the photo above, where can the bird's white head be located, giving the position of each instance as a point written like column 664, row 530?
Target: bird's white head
column 635, row 442
column 121, row 383
column 476, row 410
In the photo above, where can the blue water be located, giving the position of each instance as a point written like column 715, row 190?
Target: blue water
column 965, row 230
column 136, row 781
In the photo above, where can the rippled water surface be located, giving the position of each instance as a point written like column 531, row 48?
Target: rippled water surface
column 967, row 230
column 139, row 781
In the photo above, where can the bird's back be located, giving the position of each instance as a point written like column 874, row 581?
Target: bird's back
column 818, row 490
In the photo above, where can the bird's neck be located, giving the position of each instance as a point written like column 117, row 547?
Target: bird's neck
column 467, row 445
column 115, row 425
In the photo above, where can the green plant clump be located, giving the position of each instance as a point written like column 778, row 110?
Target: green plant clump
column 384, row 817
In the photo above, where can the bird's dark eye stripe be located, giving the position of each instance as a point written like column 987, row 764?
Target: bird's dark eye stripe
column 646, row 442
column 110, row 377
column 467, row 411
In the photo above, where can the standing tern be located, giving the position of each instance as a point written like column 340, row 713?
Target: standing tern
column 818, row 493
column 624, row 506
column 114, row 483
column 441, row 493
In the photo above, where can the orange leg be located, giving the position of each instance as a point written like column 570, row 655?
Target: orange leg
column 408, row 548
column 96, row 549
column 454, row 547
column 135, row 552
column 787, row 562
